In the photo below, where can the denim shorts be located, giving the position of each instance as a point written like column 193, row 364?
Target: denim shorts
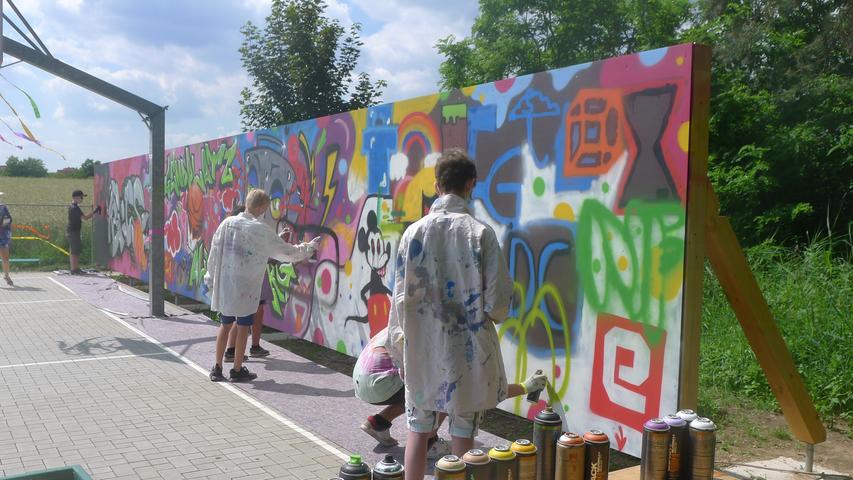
column 243, row 321
column 426, row 421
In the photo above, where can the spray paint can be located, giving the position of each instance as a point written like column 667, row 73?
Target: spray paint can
column 526, row 453
column 388, row 469
column 679, row 436
column 355, row 469
column 596, row 455
column 687, row 458
column 702, row 443
column 449, row 467
column 655, row 452
column 477, row 465
column 570, row 456
column 504, row 463
column 547, row 427
column 533, row 397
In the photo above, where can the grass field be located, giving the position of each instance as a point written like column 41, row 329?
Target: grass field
column 38, row 208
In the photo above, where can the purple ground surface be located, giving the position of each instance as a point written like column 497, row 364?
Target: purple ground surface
column 317, row 398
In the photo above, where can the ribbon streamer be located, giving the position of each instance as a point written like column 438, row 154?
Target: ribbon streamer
column 20, row 120
column 557, row 405
column 32, row 102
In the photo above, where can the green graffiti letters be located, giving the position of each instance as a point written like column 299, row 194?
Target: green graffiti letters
column 280, row 278
column 536, row 317
column 199, row 265
column 181, row 171
column 632, row 266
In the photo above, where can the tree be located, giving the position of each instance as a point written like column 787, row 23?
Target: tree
column 781, row 137
column 87, row 168
column 517, row 37
column 301, row 65
column 28, row 167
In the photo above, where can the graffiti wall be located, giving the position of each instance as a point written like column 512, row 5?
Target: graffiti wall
column 582, row 173
column 121, row 233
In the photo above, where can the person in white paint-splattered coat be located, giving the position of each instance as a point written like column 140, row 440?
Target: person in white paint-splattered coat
column 451, row 287
column 236, row 264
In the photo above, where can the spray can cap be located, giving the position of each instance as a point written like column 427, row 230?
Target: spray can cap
column 355, row 460
column 656, row 424
column 450, row 463
column 595, row 436
column 548, row 417
column 501, row 452
column 388, row 465
column 687, row 414
column 703, row 424
column 524, row 447
column 570, row 438
column 674, row 420
column 475, row 456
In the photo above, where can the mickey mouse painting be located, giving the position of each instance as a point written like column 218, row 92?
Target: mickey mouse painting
column 376, row 296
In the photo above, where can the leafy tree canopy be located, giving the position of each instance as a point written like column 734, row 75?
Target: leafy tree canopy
column 28, row 167
column 302, row 66
column 781, row 143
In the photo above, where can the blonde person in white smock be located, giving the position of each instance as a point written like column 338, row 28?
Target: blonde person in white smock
column 236, row 264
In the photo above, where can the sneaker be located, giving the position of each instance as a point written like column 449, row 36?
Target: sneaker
column 76, row 271
column 258, row 351
column 382, row 436
column 243, row 375
column 438, row 449
column 9, row 282
column 229, row 357
column 216, row 374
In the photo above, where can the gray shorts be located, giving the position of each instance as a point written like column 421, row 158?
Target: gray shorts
column 75, row 244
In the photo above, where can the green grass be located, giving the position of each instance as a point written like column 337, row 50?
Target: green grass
column 810, row 292
column 39, row 206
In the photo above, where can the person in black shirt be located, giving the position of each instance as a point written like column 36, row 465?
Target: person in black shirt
column 75, row 224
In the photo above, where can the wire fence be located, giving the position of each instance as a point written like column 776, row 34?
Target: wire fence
column 38, row 235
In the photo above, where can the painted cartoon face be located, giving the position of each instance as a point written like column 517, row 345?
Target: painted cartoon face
column 269, row 171
column 372, row 244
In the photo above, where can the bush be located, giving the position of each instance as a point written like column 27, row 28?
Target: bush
column 810, row 293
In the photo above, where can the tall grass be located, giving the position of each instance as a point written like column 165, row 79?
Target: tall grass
column 810, row 293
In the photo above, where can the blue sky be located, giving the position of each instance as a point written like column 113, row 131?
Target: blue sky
column 184, row 53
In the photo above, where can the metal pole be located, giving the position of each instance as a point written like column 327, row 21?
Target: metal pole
column 156, row 274
column 809, row 457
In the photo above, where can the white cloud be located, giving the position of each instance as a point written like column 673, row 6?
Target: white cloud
column 70, row 5
column 402, row 51
column 59, row 112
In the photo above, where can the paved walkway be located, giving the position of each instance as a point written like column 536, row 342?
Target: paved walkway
column 90, row 379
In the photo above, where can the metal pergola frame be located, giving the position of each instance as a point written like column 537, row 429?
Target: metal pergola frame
column 152, row 114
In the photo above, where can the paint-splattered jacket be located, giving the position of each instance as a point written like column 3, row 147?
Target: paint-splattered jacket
column 451, row 286
column 237, row 261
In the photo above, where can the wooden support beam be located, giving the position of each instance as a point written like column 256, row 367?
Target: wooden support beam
column 694, row 255
column 756, row 320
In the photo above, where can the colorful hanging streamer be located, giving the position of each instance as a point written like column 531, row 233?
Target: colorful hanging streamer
column 32, row 102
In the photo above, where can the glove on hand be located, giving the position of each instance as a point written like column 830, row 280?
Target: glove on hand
column 315, row 243
column 535, row 382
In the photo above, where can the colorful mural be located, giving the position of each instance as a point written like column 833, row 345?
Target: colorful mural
column 582, row 174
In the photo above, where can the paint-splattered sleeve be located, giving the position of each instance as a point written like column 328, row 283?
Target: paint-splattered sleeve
column 497, row 284
column 282, row 251
column 212, row 266
column 396, row 318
